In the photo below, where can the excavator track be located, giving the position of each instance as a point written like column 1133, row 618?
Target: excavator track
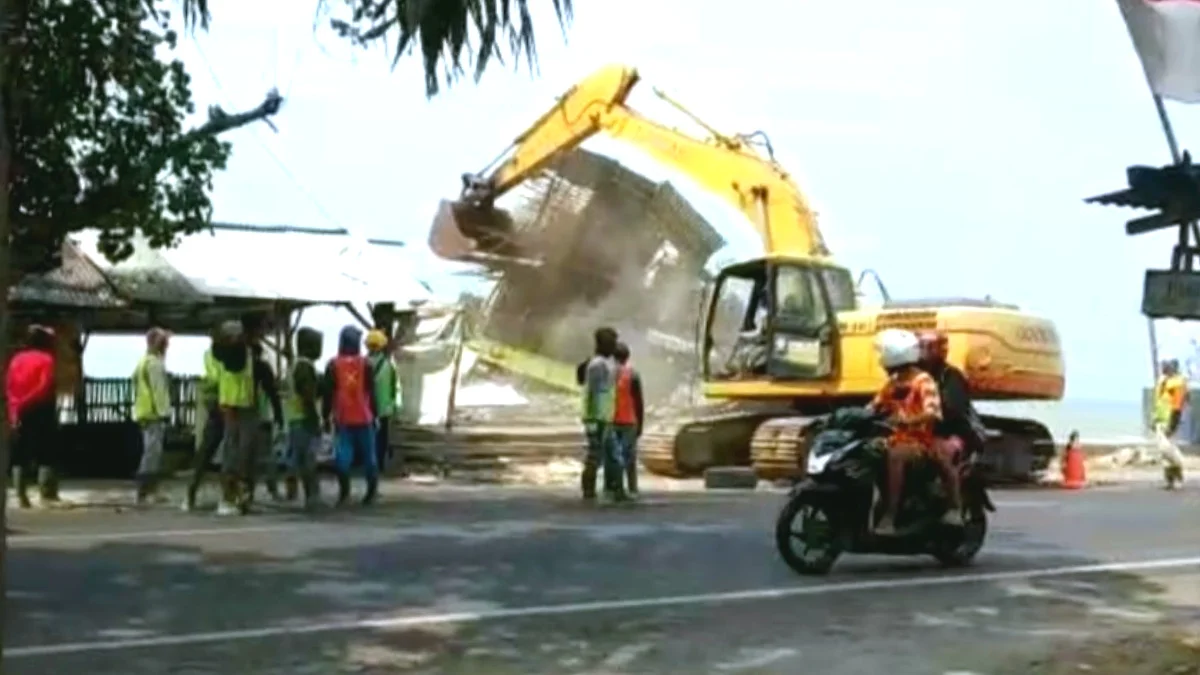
column 688, row 444
column 775, row 444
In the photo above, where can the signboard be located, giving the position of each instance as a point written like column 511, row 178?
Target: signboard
column 1168, row 294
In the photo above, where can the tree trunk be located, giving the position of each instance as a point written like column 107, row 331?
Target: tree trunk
column 9, row 22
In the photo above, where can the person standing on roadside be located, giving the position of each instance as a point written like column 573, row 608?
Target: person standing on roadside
column 347, row 408
column 1170, row 399
column 237, row 398
column 301, row 390
column 210, row 426
column 628, row 416
column 151, row 411
column 383, row 379
column 30, row 391
column 270, row 422
column 599, row 401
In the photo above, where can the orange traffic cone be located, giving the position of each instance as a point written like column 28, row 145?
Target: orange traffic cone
column 1073, row 473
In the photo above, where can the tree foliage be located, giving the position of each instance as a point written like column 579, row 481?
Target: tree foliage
column 96, row 117
column 450, row 34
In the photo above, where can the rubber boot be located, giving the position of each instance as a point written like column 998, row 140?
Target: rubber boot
column 343, row 489
column 312, row 493
column 48, row 484
column 1173, row 475
column 189, row 496
column 21, row 480
column 246, row 495
column 228, row 504
column 142, row 493
column 273, row 488
column 587, row 481
column 372, row 492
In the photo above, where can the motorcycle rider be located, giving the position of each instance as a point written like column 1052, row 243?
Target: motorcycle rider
column 911, row 401
column 959, row 429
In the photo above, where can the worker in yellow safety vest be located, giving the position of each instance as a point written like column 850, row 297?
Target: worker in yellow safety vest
column 210, row 427
column 1170, row 399
column 151, row 410
column 270, row 420
column 301, row 407
column 597, row 405
column 237, row 401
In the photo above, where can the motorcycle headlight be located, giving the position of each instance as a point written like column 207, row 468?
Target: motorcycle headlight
column 817, row 463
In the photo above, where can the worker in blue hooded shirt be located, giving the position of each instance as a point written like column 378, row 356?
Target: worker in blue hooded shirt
column 348, row 407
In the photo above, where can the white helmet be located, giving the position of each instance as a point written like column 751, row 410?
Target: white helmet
column 897, row 348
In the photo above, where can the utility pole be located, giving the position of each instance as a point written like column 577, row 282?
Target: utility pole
column 1182, row 258
column 10, row 36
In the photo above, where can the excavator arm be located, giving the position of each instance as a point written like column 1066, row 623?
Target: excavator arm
column 472, row 229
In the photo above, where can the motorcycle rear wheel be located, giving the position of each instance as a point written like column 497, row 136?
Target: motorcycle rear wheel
column 819, row 547
column 962, row 551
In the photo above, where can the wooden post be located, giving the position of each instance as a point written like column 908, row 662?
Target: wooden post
column 459, row 344
column 11, row 32
column 383, row 316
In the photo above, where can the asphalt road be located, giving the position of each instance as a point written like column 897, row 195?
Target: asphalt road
column 499, row 581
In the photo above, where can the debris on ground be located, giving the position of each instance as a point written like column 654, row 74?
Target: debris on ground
column 1129, row 463
column 1159, row 653
column 1136, row 456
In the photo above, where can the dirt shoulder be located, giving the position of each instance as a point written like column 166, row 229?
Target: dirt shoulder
column 1150, row 653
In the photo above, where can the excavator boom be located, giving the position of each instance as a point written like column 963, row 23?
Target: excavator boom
column 472, row 229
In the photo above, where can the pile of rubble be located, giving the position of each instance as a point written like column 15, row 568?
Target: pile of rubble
column 1132, row 457
column 1126, row 463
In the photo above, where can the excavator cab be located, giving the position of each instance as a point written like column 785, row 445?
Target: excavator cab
column 775, row 319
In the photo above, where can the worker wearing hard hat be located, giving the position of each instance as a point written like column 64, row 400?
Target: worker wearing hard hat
column 383, row 374
column 1170, row 399
column 911, row 400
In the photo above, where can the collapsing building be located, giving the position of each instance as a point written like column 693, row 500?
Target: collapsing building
column 601, row 245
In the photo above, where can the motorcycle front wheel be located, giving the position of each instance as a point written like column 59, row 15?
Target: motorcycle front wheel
column 805, row 537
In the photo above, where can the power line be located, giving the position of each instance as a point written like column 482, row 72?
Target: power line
column 264, row 145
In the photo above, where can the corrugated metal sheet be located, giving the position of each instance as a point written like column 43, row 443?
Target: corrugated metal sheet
column 76, row 283
column 271, row 263
column 146, row 276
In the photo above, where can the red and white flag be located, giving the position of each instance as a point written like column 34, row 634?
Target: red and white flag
column 1166, row 35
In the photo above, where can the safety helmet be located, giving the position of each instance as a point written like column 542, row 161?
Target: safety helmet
column 897, row 348
column 376, row 340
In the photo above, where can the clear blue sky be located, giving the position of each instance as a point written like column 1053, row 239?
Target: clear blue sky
column 962, row 134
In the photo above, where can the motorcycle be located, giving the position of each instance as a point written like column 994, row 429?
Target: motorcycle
column 840, row 499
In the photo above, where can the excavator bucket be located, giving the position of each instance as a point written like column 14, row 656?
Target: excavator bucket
column 469, row 233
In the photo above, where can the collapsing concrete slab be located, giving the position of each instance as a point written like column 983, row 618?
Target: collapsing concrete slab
column 608, row 247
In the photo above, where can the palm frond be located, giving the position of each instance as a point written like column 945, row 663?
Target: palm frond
column 195, row 13
column 444, row 31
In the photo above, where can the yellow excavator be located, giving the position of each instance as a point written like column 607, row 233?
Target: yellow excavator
column 781, row 337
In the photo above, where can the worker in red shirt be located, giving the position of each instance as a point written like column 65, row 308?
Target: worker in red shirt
column 348, row 406
column 33, row 413
column 628, row 416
